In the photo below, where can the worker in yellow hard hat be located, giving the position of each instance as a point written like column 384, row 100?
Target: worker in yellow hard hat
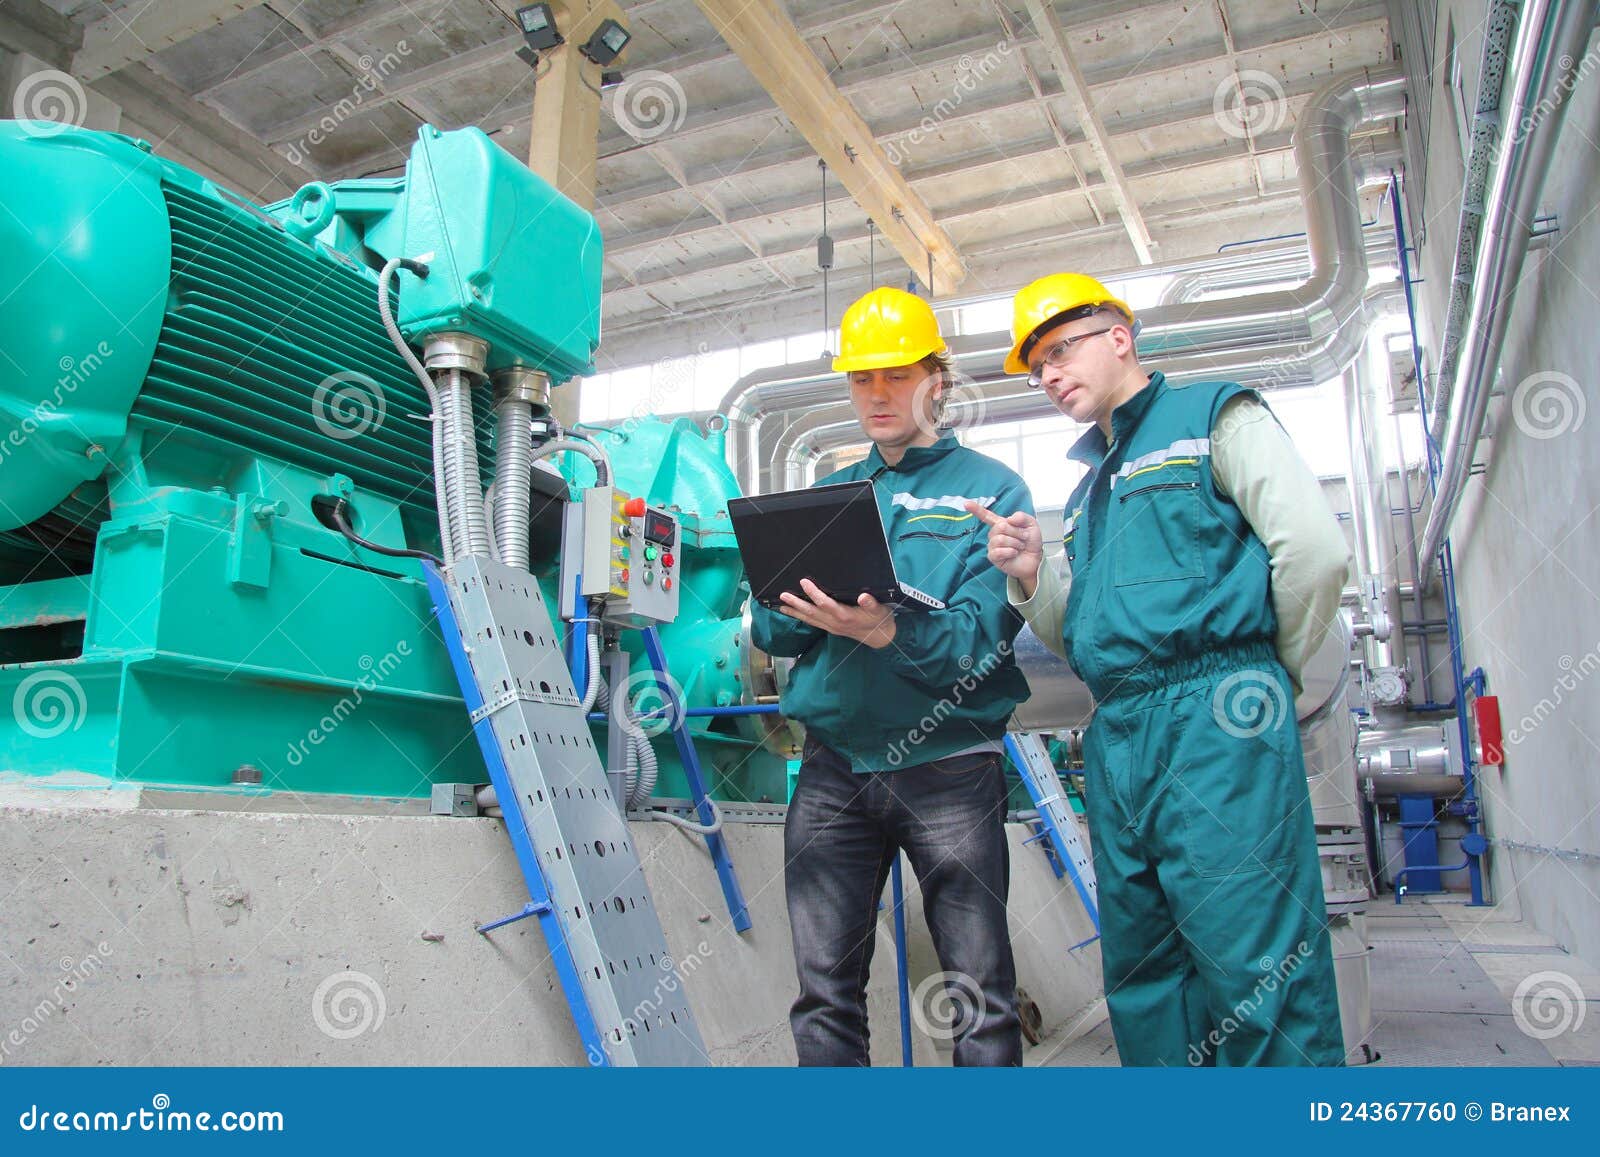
column 904, row 715
column 1201, row 567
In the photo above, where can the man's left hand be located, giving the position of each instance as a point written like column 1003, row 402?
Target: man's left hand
column 868, row 622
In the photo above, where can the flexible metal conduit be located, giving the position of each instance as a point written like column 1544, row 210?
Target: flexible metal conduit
column 1550, row 42
column 464, row 478
column 513, row 474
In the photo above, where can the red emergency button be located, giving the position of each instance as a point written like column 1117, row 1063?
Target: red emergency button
column 666, row 559
column 634, row 508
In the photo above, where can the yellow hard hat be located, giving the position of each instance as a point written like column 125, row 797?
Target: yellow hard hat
column 1039, row 305
column 887, row 327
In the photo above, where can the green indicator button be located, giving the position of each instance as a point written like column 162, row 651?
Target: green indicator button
column 649, row 577
column 650, row 553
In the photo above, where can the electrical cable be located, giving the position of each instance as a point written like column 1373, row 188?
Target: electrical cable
column 440, row 497
column 336, row 511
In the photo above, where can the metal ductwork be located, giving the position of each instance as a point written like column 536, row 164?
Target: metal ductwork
column 1550, row 42
column 1234, row 270
column 828, row 429
column 1308, row 333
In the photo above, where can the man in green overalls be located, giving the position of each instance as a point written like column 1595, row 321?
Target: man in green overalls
column 905, row 715
column 1202, row 567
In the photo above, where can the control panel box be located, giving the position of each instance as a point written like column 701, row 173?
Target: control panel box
column 628, row 552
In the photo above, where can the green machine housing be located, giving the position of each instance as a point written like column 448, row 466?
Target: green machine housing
column 186, row 372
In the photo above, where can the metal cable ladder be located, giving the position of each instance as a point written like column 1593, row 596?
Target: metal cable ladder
column 1061, row 825
column 572, row 842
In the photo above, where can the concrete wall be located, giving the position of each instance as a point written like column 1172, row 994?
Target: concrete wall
column 1527, row 541
column 142, row 934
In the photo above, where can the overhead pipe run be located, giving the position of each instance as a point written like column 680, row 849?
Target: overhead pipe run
column 1499, row 23
column 1551, row 38
column 827, row 429
column 1232, row 272
column 1311, row 331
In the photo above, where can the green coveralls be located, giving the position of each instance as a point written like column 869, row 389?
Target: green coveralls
column 949, row 681
column 1215, row 942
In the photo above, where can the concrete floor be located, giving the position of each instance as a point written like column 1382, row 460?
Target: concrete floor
column 1444, row 992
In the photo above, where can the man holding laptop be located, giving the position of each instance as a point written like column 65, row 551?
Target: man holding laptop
column 904, row 705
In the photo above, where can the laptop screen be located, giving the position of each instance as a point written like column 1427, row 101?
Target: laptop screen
column 832, row 535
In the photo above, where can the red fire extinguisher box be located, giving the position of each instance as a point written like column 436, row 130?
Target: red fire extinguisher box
column 1486, row 716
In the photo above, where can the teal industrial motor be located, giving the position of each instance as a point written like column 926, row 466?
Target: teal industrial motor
column 217, row 469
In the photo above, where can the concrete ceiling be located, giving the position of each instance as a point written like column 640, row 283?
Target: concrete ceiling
column 709, row 198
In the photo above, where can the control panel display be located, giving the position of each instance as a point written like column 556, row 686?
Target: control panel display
column 659, row 527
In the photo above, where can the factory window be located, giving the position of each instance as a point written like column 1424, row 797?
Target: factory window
column 715, row 373
column 984, row 316
column 762, row 355
column 808, row 347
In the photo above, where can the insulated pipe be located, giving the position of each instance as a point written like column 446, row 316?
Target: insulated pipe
column 828, row 429
column 1415, row 759
column 1329, row 302
column 1262, row 267
column 1551, row 38
column 1374, row 528
column 1316, row 324
column 1499, row 26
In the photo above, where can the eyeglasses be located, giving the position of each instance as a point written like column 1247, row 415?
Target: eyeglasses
column 1058, row 353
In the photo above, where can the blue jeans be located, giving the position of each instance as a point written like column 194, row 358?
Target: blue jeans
column 842, row 834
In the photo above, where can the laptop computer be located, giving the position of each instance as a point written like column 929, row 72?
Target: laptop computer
column 831, row 535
